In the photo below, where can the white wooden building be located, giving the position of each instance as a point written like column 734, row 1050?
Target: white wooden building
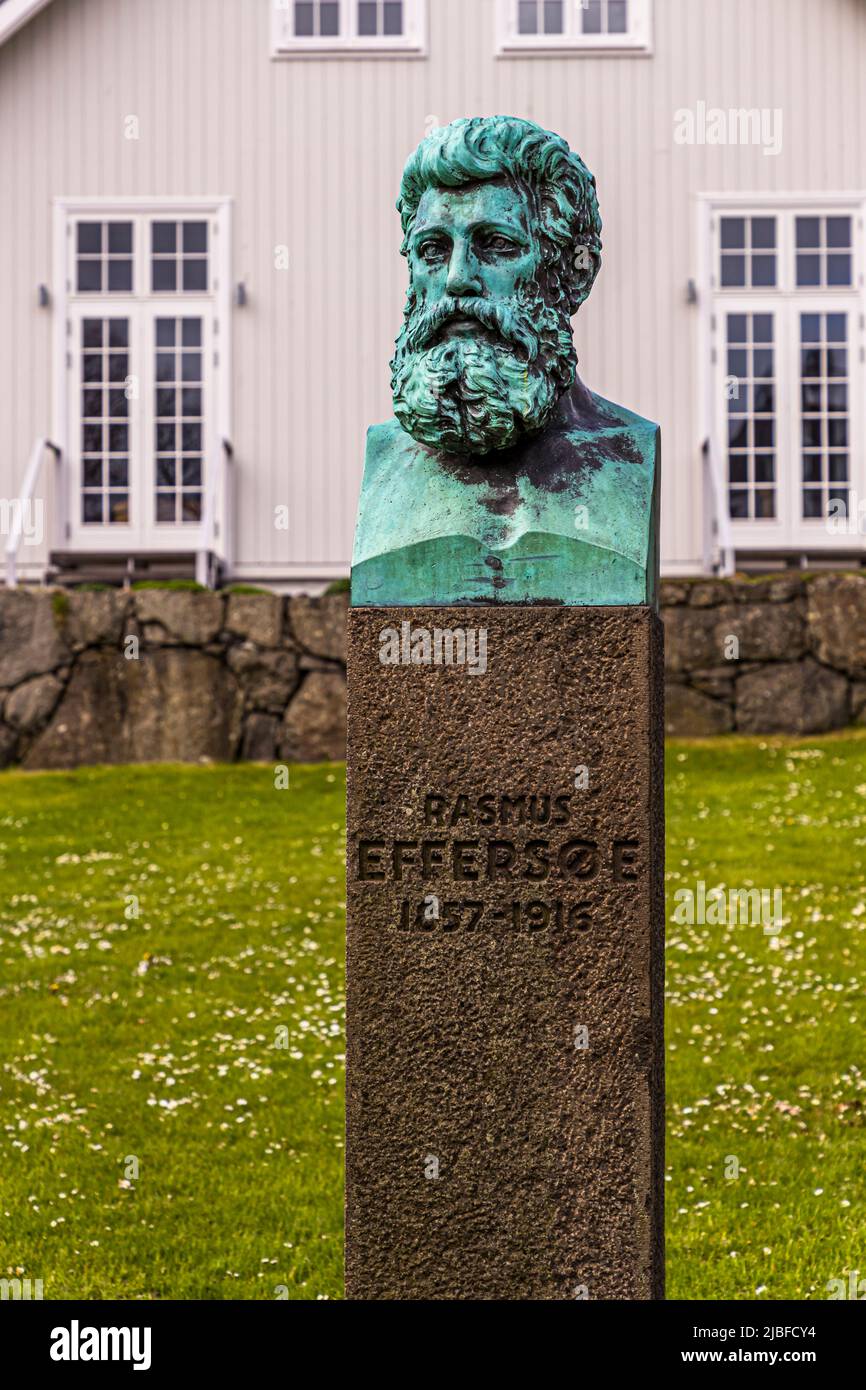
column 200, row 283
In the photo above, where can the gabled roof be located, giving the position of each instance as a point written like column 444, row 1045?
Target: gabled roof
column 14, row 14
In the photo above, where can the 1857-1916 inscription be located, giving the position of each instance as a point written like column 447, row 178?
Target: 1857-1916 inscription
column 465, row 842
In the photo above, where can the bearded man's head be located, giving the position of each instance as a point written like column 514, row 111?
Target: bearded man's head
column 503, row 238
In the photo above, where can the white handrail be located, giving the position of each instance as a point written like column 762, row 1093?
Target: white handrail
column 718, row 531
column 216, row 483
column 20, row 505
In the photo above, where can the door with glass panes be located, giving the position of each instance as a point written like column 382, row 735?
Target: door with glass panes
column 141, row 366
column 788, row 347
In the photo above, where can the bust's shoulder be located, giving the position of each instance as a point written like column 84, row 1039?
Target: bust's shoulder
column 594, row 414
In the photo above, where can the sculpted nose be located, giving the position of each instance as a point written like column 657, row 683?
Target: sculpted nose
column 463, row 276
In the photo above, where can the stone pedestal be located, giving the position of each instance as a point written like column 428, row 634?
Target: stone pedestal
column 505, row 969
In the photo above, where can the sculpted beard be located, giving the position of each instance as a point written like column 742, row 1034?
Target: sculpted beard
column 472, row 395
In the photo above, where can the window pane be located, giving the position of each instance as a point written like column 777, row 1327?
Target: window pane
column 527, row 17
column 192, row 506
column 118, row 507
column 164, row 277
column 838, row 468
column 764, row 434
column 120, row 238
column 191, row 332
column 763, row 232
column 838, row 231
column 91, row 333
column 765, row 468
column 90, row 238
column 812, row 503
column 120, row 276
column 592, row 17
column 739, row 404
column 553, row 16
column 733, row 232
column 617, row 17
column 762, row 362
column 808, row 270
column 192, row 472
column 765, row 503
column 808, row 232
column 118, row 333
column 163, row 237
column 837, row 433
column 303, row 19
column 737, row 328
column 738, row 468
column 738, row 434
column 195, row 275
column 393, row 12
column 367, row 18
column 763, row 270
column 165, row 366
column 837, row 329
column 91, row 507
column 329, row 19
column 812, row 434
column 762, row 328
column 737, row 362
column 838, row 270
column 733, row 271
column 165, row 472
column 811, row 468
column 165, row 332
column 195, row 236
column 738, row 504
column 165, row 506
column 89, row 277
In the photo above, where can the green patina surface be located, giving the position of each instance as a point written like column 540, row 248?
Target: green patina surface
column 502, row 478
column 573, row 519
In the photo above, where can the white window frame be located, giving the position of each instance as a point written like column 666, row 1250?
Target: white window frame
column 637, row 41
column 412, row 43
column 789, row 530
column 68, row 302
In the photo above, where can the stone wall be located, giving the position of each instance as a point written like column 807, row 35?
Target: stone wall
column 165, row 675
column 161, row 675
column 777, row 654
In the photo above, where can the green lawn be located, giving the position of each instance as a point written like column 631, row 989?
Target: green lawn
column 203, row 1037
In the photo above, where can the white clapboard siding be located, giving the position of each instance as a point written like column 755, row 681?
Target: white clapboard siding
column 311, row 152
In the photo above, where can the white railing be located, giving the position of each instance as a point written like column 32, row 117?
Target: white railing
column 216, row 518
column 21, row 505
column 718, row 545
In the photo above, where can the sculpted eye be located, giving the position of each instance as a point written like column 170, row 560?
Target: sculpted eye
column 432, row 251
column 497, row 244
